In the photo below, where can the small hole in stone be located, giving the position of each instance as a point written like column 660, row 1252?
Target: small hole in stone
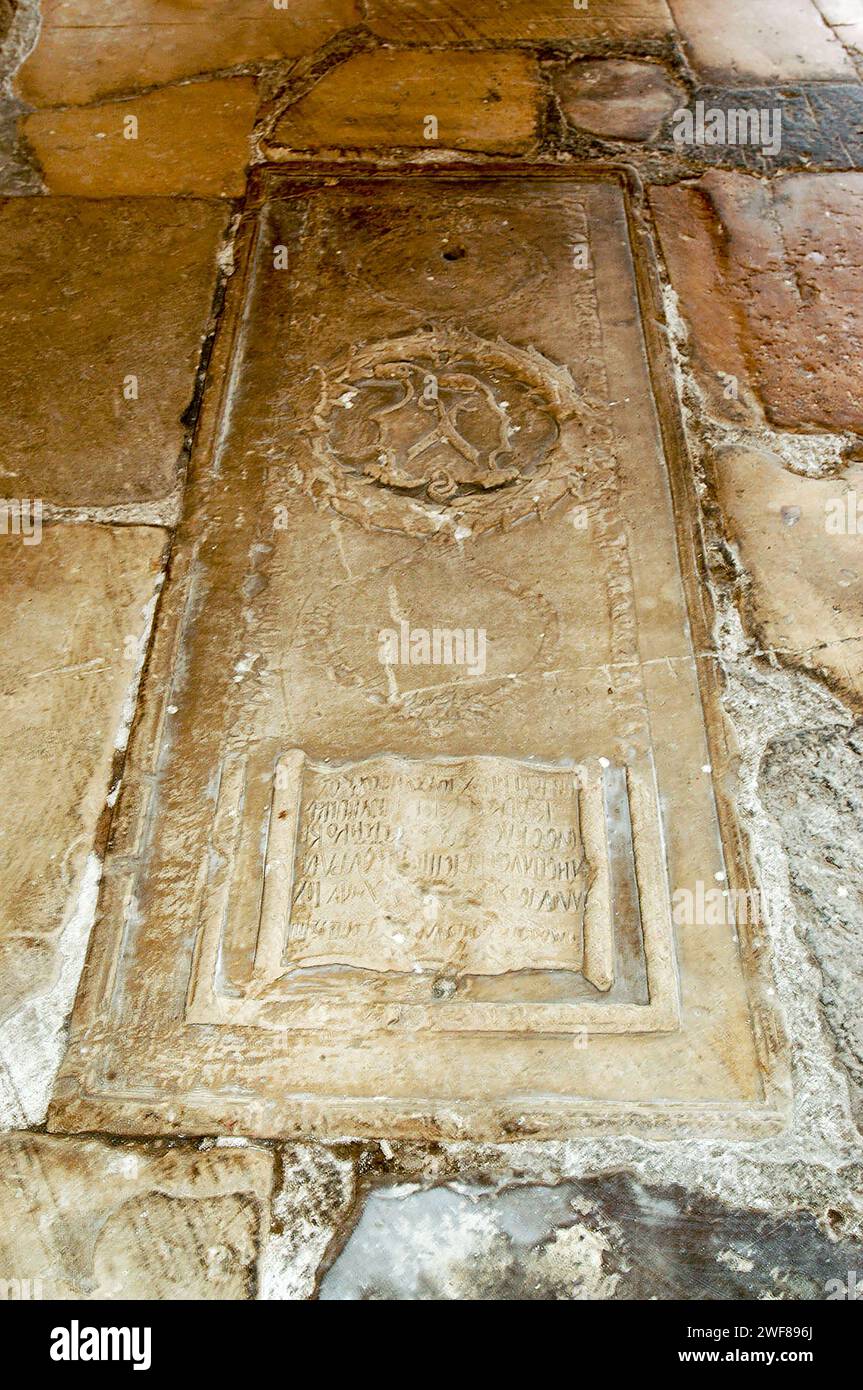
column 835, row 1219
column 444, row 989
column 455, row 253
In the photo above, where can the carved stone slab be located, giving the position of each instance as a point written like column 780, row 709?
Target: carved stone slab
column 428, row 731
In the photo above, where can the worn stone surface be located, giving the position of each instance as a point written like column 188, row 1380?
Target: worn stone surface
column 617, row 99
column 804, row 593
column 737, row 41
column 845, row 18
column 509, row 914
column 190, row 139
column 89, row 49
column 770, row 278
column 314, row 1197
column 797, row 126
column 74, row 608
column 839, row 12
column 439, row 21
column 602, row 1238
column 95, row 293
column 480, row 101
column 689, row 234
column 80, row 1219
column 813, row 783
column 17, row 174
column 7, row 12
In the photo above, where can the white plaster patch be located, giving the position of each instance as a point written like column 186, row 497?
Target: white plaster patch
column 315, row 1195
column 732, row 1260
column 32, row 1039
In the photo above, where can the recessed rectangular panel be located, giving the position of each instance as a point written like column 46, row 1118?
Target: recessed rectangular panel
column 397, row 851
column 473, row 893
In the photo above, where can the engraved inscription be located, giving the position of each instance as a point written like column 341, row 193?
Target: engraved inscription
column 470, row 866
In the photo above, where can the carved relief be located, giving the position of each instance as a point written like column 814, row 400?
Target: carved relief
column 469, row 867
column 397, row 886
column 443, row 434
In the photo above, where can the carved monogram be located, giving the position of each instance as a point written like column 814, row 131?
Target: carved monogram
column 445, row 434
column 442, row 433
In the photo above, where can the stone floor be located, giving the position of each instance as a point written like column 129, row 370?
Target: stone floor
column 139, row 146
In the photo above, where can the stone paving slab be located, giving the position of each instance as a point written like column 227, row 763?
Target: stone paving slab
column 90, row 49
column 190, row 139
column 799, row 542
column 289, row 736
column 102, row 312
column 736, row 41
column 770, row 277
column 440, row 21
column 599, row 1238
column 845, row 18
column 86, row 1220
column 477, row 101
column 818, row 125
column 617, row 98
column 765, row 129
column 74, row 607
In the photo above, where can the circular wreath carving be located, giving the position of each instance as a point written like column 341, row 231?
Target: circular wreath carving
column 446, row 434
